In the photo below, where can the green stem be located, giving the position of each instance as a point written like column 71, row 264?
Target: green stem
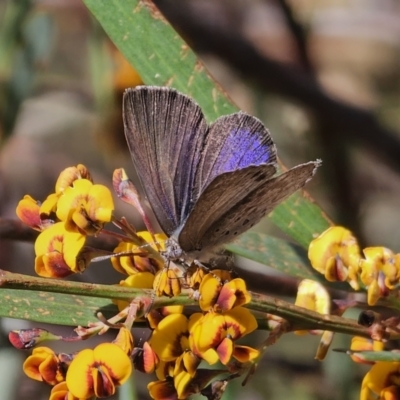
column 298, row 317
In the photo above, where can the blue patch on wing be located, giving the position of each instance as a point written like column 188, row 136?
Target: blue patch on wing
column 241, row 149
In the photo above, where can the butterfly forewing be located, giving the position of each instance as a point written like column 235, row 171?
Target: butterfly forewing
column 165, row 131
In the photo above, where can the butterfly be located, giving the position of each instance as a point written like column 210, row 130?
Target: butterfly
column 206, row 184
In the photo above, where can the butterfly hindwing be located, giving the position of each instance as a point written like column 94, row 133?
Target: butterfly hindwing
column 236, row 215
column 222, row 195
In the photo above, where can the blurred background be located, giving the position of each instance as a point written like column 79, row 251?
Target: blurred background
column 323, row 76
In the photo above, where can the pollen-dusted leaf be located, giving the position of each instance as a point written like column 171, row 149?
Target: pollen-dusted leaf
column 52, row 308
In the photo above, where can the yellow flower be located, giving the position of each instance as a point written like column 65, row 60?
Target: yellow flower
column 313, row 296
column 141, row 280
column 56, row 252
column 71, row 174
column 336, row 254
column 97, row 372
column 380, row 272
column 44, row 365
column 124, row 340
column 85, row 207
column 382, row 381
column 49, row 206
column 359, row 343
column 184, row 370
column 171, row 336
column 213, row 336
column 194, row 276
column 170, row 340
column 131, row 264
column 61, row 392
column 161, row 390
column 183, row 385
column 167, row 283
column 155, row 316
column 145, row 359
column 221, row 295
column 28, row 211
column 31, row 213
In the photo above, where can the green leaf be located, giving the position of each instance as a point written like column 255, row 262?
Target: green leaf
column 300, row 218
column 161, row 57
column 374, row 356
column 275, row 253
column 281, row 255
column 53, row 308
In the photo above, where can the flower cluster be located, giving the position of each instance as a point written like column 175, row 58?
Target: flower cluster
column 76, row 209
column 383, row 379
column 336, row 254
column 180, row 341
column 82, row 375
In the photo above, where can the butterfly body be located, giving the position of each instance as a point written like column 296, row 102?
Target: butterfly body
column 206, row 184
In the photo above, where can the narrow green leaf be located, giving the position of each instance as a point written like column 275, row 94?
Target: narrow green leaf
column 275, row 253
column 52, row 307
column 281, row 255
column 161, row 57
column 300, row 218
column 374, row 356
column 158, row 53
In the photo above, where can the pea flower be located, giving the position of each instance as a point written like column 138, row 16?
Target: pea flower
column 44, row 365
column 382, row 382
column 336, row 254
column 34, row 214
column 222, row 295
column 213, row 336
column 61, row 392
column 131, row 264
column 99, row 371
column 69, row 175
column 85, row 207
column 380, row 272
column 57, row 252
